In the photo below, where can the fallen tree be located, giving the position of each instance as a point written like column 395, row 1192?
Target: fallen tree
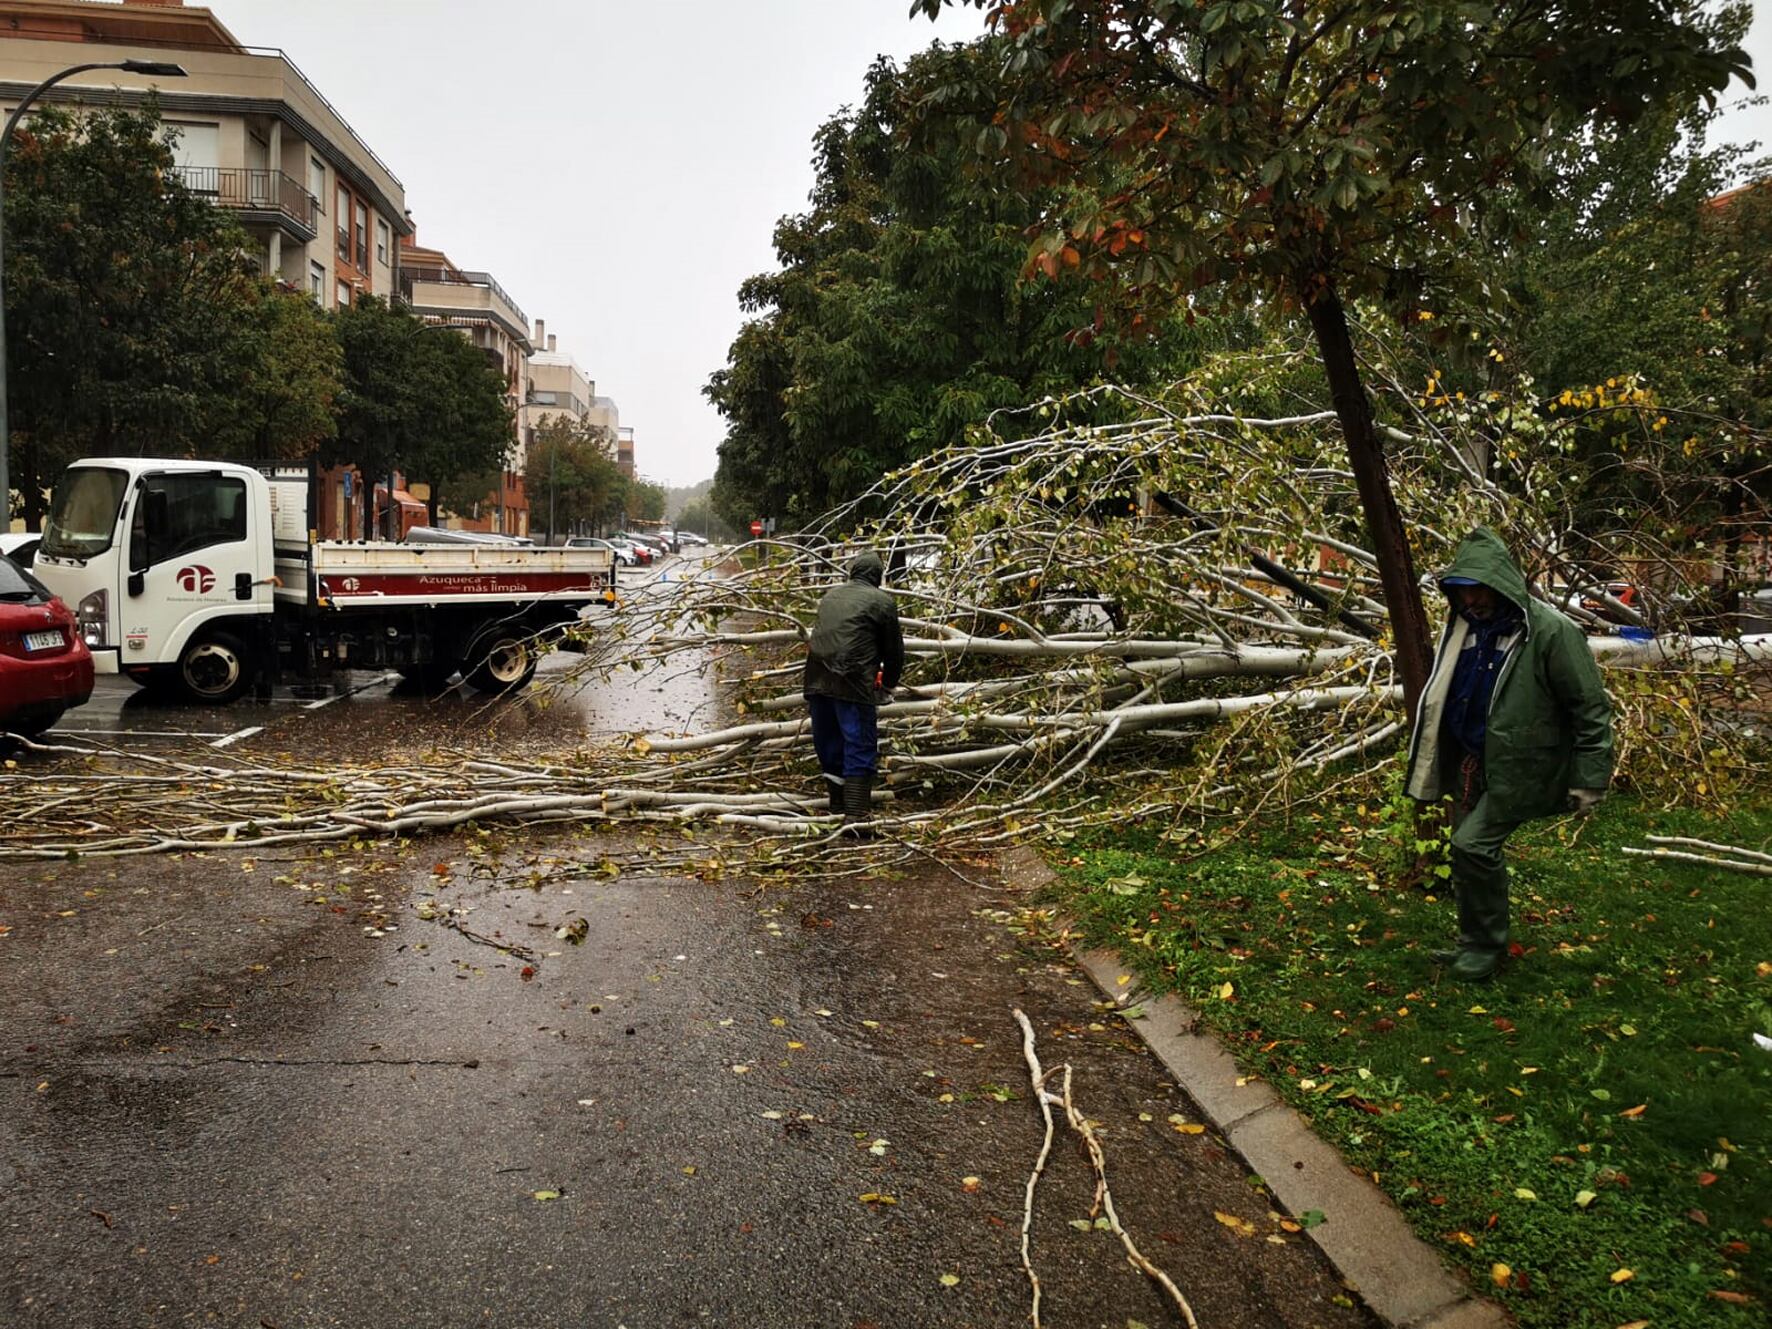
column 1168, row 614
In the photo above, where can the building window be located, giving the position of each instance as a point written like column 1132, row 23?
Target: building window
column 343, row 221
column 317, row 280
column 317, row 182
column 362, row 236
column 383, row 242
column 344, row 294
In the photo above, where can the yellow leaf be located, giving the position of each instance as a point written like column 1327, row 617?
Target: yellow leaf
column 1241, row 1226
column 689, row 1171
column 1637, row 1111
column 950, row 1280
column 778, row 1022
column 1122, row 980
column 741, row 1070
column 1464, row 1239
column 970, row 1184
column 874, row 1197
column 1225, row 992
column 1521, row 1193
column 547, row 1195
column 1499, row 1274
column 796, row 1047
column 1190, row 1128
column 1622, row 1275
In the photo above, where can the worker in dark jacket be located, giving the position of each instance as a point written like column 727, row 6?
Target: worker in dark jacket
column 1514, row 724
column 853, row 661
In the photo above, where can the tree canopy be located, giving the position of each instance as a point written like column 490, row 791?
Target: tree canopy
column 135, row 322
column 419, row 399
column 898, row 317
column 1311, row 155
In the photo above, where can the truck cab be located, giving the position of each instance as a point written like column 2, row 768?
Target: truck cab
column 165, row 564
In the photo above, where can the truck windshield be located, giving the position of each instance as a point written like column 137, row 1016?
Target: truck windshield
column 83, row 514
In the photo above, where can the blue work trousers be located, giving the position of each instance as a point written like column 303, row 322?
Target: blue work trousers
column 845, row 734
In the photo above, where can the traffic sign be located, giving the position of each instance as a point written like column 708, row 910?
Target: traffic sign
column 757, row 526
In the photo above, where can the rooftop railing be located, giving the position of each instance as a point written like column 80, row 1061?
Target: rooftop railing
column 99, row 38
column 459, row 277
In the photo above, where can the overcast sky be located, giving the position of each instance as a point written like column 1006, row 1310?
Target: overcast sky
column 618, row 165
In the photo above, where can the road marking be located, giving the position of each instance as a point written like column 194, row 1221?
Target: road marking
column 143, row 733
column 340, row 696
column 228, row 740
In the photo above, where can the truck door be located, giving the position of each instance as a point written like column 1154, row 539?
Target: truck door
column 192, row 561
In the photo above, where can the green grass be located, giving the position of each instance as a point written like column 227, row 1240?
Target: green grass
column 1634, row 983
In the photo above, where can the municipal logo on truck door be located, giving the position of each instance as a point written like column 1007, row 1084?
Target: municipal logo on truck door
column 196, row 578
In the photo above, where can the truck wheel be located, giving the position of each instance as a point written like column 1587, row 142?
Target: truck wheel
column 214, row 670
column 501, row 661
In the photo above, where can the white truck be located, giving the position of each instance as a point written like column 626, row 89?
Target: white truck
column 206, row 579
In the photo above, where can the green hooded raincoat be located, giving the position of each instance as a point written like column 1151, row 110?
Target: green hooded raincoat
column 1550, row 723
column 856, row 639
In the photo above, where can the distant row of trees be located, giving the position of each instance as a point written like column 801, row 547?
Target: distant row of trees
column 137, row 325
column 576, row 487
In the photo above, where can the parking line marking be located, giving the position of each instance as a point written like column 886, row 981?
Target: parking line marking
column 143, row 733
column 340, row 696
column 228, row 740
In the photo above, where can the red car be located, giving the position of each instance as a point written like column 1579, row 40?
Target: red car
column 45, row 667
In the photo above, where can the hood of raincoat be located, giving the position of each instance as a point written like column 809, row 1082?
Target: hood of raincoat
column 866, row 566
column 1482, row 557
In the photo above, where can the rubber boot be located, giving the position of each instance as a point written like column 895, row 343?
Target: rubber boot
column 834, row 791
column 858, row 798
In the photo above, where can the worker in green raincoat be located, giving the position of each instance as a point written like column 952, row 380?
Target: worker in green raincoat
column 1514, row 724
column 854, row 656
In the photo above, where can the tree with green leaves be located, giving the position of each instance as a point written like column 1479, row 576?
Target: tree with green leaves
column 418, row 399
column 573, row 482
column 1305, row 156
column 898, row 319
column 135, row 322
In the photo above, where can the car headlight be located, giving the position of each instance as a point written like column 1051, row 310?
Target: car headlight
column 94, row 618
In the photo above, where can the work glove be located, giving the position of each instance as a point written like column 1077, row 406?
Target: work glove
column 1582, row 801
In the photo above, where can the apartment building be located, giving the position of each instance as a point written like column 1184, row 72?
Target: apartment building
column 557, row 386
column 444, row 294
column 324, row 213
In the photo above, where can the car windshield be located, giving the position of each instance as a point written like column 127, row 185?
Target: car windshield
column 18, row 586
column 83, row 515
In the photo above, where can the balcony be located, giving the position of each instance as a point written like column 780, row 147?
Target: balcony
column 454, row 295
column 260, row 196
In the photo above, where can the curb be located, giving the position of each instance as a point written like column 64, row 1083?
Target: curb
column 1401, row 1278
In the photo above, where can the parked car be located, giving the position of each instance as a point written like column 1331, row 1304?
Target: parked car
column 21, row 548
column 45, row 666
column 624, row 552
column 690, row 538
column 651, row 542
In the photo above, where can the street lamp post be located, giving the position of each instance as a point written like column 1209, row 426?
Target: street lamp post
column 152, row 68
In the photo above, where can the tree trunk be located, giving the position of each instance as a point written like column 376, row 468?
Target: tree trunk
column 1365, row 454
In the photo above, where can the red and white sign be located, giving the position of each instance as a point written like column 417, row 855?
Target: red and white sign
column 442, row 586
column 196, row 578
column 757, row 526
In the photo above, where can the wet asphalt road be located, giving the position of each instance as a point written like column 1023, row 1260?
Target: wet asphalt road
column 281, row 1092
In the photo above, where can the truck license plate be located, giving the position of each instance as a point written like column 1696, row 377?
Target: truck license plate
column 43, row 641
